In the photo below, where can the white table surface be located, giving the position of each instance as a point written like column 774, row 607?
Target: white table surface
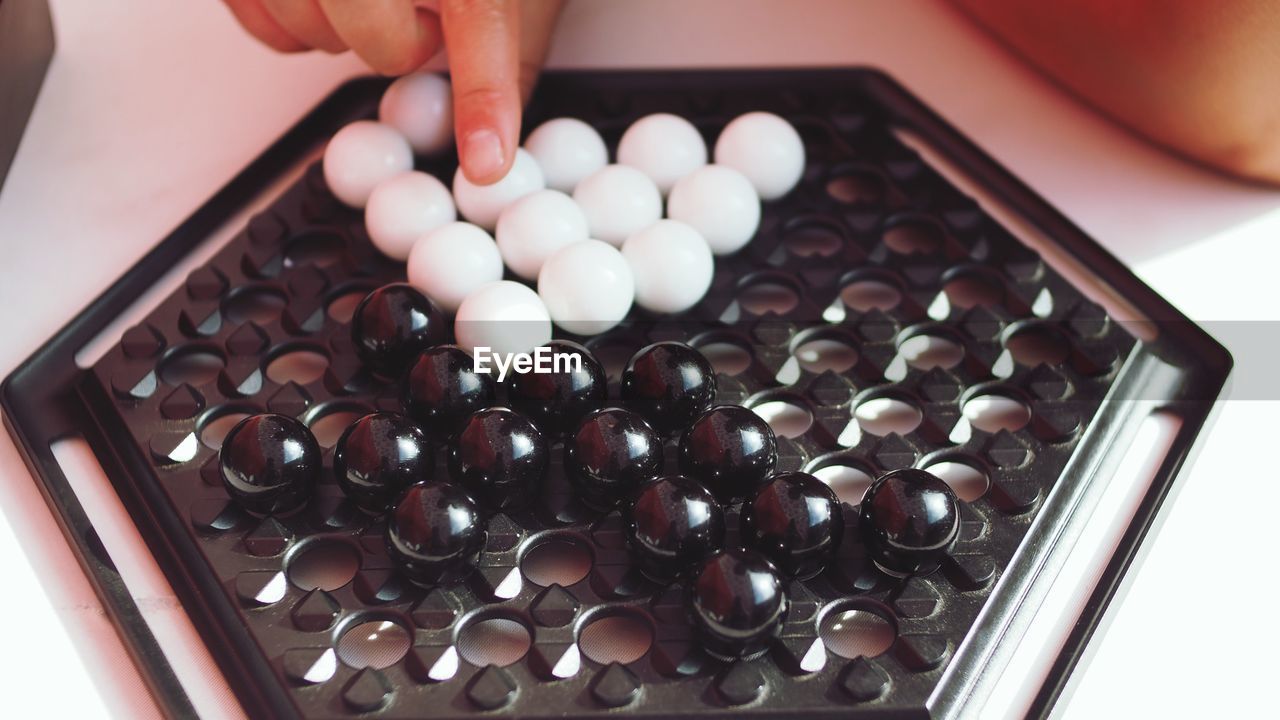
column 151, row 105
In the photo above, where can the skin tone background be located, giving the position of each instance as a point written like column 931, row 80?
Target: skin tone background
column 139, row 122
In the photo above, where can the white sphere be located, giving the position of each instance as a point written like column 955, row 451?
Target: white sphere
column 720, row 203
column 567, row 150
column 618, row 200
column 405, row 207
column 587, row 287
column 663, row 146
column 532, row 228
column 505, row 317
column 420, row 106
column 765, row 148
column 452, row 261
column 361, row 155
column 482, row 204
column 671, row 264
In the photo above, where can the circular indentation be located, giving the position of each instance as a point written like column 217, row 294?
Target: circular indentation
column 496, row 641
column 374, row 644
column 884, row 415
column 910, row 237
column 855, row 633
column 813, row 239
column 299, row 366
column 329, row 425
column 765, row 296
column 857, row 187
column 215, row 430
column 343, row 307
column 259, row 305
column 967, row 481
column 788, row 417
column 621, row 638
column 815, row 134
column 849, row 483
column 992, row 412
column 826, row 353
column 1036, row 344
column 973, row 289
column 321, row 248
column 867, row 295
column 556, row 561
column 194, row 366
column 926, row 352
column 725, row 356
column 323, row 564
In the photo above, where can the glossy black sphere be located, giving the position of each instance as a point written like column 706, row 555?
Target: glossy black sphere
column 557, row 401
column 671, row 526
column 909, row 521
column 270, row 463
column 737, row 604
column 731, row 450
column 442, row 389
column 392, row 325
column 378, row 456
column 796, row 521
column 669, row 383
column 501, row 457
column 436, row 532
column 613, row 451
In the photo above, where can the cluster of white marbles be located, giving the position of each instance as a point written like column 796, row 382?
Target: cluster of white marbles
column 591, row 235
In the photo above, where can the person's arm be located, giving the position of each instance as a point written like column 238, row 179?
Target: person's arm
column 1199, row 76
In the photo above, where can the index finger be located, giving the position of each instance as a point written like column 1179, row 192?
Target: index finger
column 483, row 41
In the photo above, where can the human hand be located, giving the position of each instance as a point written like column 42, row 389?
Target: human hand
column 496, row 48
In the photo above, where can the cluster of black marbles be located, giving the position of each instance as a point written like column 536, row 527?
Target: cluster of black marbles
column 791, row 523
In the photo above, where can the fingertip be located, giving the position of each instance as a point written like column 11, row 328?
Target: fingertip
column 484, row 156
column 487, row 128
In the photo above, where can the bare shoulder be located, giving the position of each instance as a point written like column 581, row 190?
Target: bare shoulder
column 1196, row 77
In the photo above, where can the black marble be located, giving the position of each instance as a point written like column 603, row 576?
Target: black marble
column 672, row 525
column 669, row 383
column 436, row 533
column 612, row 452
column 501, row 457
column 796, row 521
column 737, row 604
column 909, row 520
column 557, row 401
column 731, row 450
column 378, row 456
column 392, row 325
column 441, row 389
column 270, row 463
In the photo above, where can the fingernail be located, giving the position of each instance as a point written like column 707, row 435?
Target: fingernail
column 482, row 153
